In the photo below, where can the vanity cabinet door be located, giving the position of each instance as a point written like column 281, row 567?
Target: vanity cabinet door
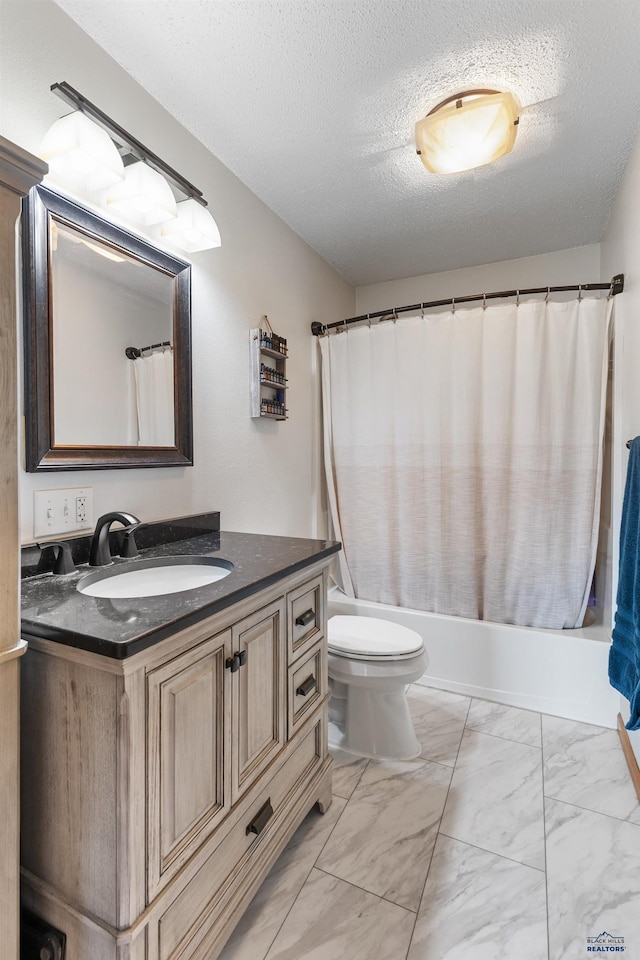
column 259, row 693
column 189, row 754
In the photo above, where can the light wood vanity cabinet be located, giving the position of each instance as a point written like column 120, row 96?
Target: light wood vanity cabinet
column 159, row 790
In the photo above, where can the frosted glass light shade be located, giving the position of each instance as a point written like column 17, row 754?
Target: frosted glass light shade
column 469, row 132
column 144, row 196
column 81, row 154
column 194, row 228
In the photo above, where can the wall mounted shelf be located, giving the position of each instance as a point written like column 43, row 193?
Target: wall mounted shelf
column 268, row 374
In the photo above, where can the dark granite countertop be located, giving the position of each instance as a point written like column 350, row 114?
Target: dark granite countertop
column 53, row 608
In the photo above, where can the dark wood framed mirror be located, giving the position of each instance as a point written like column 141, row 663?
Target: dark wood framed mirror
column 107, row 343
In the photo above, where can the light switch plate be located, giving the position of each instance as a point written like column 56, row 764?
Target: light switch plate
column 58, row 512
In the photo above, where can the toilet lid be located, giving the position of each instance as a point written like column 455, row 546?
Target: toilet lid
column 368, row 636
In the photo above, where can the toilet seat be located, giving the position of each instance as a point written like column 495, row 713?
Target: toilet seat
column 369, row 638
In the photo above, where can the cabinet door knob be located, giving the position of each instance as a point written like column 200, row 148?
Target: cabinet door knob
column 261, row 819
column 233, row 663
column 305, row 618
column 307, row 686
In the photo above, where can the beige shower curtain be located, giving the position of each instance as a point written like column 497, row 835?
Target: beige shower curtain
column 154, row 398
column 463, row 457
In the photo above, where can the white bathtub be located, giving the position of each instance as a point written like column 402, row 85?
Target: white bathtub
column 561, row 672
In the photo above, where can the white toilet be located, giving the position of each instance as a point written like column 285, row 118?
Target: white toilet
column 371, row 663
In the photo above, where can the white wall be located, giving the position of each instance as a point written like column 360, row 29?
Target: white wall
column 620, row 251
column 576, row 265
column 262, row 475
column 101, row 319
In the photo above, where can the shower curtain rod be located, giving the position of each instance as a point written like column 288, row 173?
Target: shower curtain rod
column 133, row 353
column 616, row 286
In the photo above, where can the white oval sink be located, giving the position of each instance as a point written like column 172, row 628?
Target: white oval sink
column 154, row 578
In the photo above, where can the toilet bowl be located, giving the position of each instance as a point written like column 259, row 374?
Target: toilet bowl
column 371, row 664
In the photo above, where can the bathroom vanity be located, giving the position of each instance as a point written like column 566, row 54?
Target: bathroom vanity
column 171, row 745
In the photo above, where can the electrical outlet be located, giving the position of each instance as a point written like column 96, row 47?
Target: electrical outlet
column 58, row 512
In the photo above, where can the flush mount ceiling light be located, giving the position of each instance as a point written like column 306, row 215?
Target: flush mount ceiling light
column 467, row 130
column 144, row 196
column 80, row 153
column 193, row 229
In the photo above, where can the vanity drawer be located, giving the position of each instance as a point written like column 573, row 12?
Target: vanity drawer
column 305, row 620
column 193, row 915
column 307, row 685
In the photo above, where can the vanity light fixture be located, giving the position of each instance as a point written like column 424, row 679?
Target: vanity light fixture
column 144, row 196
column 145, row 189
column 193, row 229
column 468, row 130
column 81, row 154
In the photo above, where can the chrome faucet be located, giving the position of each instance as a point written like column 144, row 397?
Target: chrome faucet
column 100, row 553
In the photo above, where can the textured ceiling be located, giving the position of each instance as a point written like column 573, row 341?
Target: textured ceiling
column 312, row 103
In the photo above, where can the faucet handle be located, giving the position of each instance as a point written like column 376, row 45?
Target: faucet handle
column 129, row 547
column 63, row 560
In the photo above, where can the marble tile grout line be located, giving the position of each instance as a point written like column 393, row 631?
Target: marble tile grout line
column 498, row 736
column 377, row 896
column 492, row 853
column 357, row 784
column 495, row 702
column 304, row 882
column 580, row 806
column 544, row 822
column 597, row 813
column 453, row 768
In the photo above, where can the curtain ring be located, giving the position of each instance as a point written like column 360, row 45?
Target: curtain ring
column 369, row 320
column 579, row 292
column 395, row 315
column 517, row 298
column 546, row 296
column 610, row 294
column 422, row 310
column 453, row 304
column 484, row 301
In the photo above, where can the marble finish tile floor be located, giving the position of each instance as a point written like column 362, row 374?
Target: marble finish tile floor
column 514, row 836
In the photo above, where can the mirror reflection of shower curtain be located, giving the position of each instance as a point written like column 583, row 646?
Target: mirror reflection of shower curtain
column 153, row 375
column 463, row 458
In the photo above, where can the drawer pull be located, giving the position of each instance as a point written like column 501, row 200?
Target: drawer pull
column 261, row 819
column 243, row 656
column 305, row 618
column 233, row 663
column 307, row 686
